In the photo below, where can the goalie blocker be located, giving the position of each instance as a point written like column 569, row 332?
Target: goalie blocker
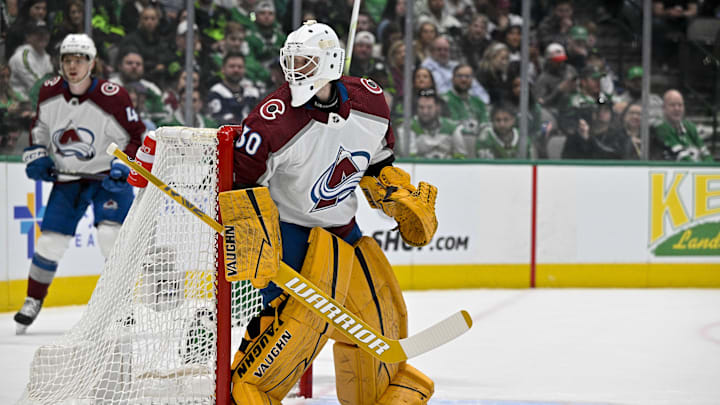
column 253, row 248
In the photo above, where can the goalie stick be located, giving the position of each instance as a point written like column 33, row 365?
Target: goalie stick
column 351, row 36
column 366, row 337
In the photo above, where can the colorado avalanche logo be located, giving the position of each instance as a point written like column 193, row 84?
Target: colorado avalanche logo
column 371, row 86
column 110, row 205
column 272, row 108
column 339, row 180
column 74, row 141
column 109, row 89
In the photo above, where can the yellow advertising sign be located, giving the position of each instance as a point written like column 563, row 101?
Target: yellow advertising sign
column 693, row 215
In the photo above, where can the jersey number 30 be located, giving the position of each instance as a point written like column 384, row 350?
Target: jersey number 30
column 249, row 140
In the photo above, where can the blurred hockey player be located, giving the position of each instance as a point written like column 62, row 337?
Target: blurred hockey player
column 299, row 156
column 78, row 116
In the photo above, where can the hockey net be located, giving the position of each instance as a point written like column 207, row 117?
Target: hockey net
column 161, row 324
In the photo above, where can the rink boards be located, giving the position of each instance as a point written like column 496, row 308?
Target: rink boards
column 500, row 225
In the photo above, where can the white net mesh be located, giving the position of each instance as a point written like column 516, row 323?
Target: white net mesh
column 148, row 335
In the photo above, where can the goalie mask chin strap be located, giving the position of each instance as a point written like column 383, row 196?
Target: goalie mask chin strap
column 333, row 103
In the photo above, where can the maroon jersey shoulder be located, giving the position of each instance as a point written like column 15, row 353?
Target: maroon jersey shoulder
column 275, row 119
column 110, row 96
column 115, row 100
column 268, row 127
column 366, row 96
column 51, row 88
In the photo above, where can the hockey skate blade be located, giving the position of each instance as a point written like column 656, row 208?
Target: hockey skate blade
column 20, row 329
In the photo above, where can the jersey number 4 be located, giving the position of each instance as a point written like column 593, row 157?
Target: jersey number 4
column 132, row 115
column 248, row 140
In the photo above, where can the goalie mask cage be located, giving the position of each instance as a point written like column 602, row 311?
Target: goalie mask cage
column 162, row 323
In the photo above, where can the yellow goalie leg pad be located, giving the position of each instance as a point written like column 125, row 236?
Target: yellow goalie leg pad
column 284, row 339
column 376, row 297
column 252, row 396
column 263, row 340
column 409, row 387
column 252, row 242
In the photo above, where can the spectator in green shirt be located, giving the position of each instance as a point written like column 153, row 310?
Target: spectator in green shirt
column 463, row 107
column 132, row 69
column 501, row 140
column 15, row 113
column 244, row 13
column 676, row 138
column 235, row 42
column 431, row 136
column 267, row 38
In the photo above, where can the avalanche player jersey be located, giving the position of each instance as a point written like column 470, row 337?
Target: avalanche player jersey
column 312, row 160
column 78, row 129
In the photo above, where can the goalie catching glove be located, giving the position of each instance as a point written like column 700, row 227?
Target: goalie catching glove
column 413, row 209
column 253, row 248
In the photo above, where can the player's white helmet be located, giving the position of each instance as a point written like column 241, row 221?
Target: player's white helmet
column 310, row 58
column 78, row 44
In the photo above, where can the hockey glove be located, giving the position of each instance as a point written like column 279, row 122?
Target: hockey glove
column 413, row 209
column 116, row 181
column 39, row 165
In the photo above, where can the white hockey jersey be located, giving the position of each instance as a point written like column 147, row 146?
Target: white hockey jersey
column 78, row 129
column 311, row 160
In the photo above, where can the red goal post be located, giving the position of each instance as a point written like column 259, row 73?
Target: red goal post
column 225, row 148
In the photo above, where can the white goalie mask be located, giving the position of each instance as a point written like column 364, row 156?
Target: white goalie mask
column 311, row 58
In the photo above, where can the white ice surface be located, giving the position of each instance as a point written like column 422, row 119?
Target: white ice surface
column 542, row 346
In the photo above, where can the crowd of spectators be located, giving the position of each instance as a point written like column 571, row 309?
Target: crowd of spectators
column 466, row 73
